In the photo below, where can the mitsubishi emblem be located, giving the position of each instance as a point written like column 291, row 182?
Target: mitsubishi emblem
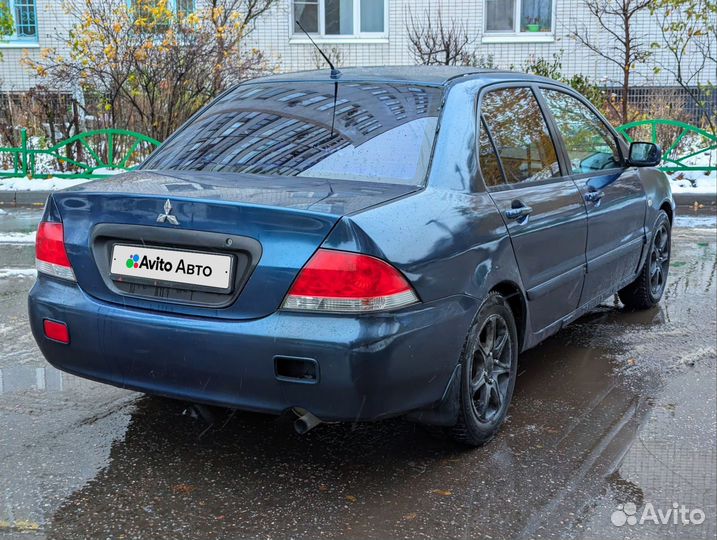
column 167, row 216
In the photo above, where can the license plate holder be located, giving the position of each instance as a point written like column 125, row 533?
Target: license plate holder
column 172, row 267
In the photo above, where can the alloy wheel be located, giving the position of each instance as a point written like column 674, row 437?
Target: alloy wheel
column 490, row 369
column 659, row 260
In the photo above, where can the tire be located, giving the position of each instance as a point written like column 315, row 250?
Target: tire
column 488, row 373
column 647, row 289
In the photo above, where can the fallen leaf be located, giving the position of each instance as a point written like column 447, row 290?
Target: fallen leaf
column 183, row 489
column 351, row 498
column 323, row 487
column 443, row 492
column 409, row 517
column 631, row 361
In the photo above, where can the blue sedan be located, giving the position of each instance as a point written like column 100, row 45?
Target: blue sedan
column 353, row 246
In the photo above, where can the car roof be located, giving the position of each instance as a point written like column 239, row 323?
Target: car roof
column 422, row 75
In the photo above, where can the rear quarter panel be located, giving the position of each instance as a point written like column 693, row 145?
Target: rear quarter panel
column 448, row 245
column 447, row 239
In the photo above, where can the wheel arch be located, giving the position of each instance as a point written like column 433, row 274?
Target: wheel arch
column 667, row 207
column 515, row 298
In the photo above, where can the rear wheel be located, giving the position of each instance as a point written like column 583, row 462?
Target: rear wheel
column 489, row 367
column 647, row 289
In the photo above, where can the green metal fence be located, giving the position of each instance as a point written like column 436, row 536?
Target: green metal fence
column 683, row 142
column 92, row 154
column 99, row 153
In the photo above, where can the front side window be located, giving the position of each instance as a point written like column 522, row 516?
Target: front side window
column 24, row 15
column 590, row 144
column 520, row 134
column 340, row 18
column 372, row 132
column 518, row 16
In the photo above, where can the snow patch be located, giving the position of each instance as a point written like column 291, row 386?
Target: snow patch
column 39, row 184
column 17, row 272
column 705, row 222
column 697, row 182
column 18, row 238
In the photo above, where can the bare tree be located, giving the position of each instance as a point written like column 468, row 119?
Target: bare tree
column 627, row 47
column 689, row 35
column 435, row 41
column 335, row 54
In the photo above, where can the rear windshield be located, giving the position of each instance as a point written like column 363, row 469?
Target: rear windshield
column 350, row 131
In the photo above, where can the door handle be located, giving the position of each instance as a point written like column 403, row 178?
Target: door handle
column 518, row 213
column 594, row 196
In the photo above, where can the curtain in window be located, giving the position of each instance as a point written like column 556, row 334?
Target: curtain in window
column 536, row 12
column 372, row 16
column 339, row 17
column 307, row 13
column 499, row 15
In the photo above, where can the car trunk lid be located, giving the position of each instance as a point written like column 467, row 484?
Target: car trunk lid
column 269, row 227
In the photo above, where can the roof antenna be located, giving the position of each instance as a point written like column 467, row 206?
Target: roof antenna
column 335, row 73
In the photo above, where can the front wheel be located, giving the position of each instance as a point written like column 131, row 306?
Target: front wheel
column 648, row 287
column 489, row 367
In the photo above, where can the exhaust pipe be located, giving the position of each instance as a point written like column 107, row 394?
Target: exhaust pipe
column 305, row 422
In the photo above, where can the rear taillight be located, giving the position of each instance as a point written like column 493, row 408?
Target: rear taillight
column 50, row 254
column 338, row 281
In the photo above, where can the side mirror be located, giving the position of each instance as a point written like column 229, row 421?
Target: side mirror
column 644, row 154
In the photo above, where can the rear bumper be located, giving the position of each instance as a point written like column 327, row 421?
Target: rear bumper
column 369, row 366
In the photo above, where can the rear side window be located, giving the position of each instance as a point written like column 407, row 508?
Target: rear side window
column 489, row 164
column 353, row 131
column 590, row 144
column 520, row 134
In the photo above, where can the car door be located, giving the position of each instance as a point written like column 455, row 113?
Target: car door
column 615, row 199
column 542, row 208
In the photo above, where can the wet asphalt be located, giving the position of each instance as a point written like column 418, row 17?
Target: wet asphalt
column 617, row 408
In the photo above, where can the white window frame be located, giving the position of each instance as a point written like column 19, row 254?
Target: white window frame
column 356, row 37
column 13, row 41
column 516, row 35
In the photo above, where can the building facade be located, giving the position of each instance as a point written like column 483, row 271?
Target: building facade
column 507, row 33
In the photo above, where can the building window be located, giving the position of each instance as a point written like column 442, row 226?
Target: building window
column 143, row 9
column 340, row 18
column 176, row 6
column 518, row 16
column 24, row 15
column 185, row 6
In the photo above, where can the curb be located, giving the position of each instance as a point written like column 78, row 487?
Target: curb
column 688, row 199
column 23, row 198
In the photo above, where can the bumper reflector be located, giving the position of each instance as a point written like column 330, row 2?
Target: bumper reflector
column 56, row 331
